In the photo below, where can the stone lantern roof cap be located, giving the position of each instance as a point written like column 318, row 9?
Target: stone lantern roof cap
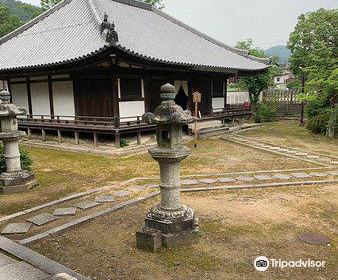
column 7, row 108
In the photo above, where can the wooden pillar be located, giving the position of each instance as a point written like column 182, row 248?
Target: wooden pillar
column 59, row 136
column 146, row 84
column 43, row 134
column 77, row 138
column 29, row 133
column 225, row 93
column 190, row 92
column 117, row 139
column 139, row 139
column 51, row 99
column 29, row 96
column 115, row 98
column 211, row 96
column 96, row 139
column 9, row 89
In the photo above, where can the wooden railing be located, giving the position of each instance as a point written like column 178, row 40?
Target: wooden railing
column 82, row 121
column 230, row 111
column 114, row 123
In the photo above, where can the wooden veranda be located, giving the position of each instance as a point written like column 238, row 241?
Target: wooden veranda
column 111, row 125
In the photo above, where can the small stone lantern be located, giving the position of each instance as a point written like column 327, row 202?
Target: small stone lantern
column 14, row 179
column 170, row 224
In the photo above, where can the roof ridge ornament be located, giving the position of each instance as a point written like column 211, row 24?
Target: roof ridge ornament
column 109, row 29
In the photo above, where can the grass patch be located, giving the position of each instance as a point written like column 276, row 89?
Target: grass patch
column 222, row 230
column 289, row 133
column 62, row 173
column 189, row 257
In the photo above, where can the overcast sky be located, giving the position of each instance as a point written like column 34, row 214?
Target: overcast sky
column 267, row 22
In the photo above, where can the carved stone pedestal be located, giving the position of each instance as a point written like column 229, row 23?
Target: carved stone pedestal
column 173, row 229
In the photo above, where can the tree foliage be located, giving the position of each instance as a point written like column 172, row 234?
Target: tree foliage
column 22, row 10
column 156, row 3
column 47, row 4
column 8, row 22
column 313, row 44
column 314, row 47
column 255, row 84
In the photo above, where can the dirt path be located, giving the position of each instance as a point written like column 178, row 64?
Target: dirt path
column 236, row 227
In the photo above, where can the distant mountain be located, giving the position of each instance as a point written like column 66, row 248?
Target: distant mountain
column 22, row 10
column 280, row 51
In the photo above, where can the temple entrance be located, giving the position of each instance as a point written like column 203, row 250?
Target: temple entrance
column 182, row 98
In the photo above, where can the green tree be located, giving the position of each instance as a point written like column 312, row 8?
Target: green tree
column 156, row 3
column 22, row 10
column 255, row 84
column 29, row 11
column 314, row 47
column 8, row 22
column 47, row 4
column 314, row 44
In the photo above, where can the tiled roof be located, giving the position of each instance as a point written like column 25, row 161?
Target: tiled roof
column 71, row 31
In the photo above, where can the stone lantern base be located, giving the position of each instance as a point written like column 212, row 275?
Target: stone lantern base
column 168, row 228
column 15, row 182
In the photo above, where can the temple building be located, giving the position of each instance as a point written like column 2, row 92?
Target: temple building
column 98, row 65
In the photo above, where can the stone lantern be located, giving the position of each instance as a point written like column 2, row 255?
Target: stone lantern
column 170, row 223
column 14, row 179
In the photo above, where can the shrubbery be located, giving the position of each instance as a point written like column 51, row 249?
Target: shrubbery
column 318, row 123
column 26, row 161
column 332, row 127
column 124, row 143
column 265, row 113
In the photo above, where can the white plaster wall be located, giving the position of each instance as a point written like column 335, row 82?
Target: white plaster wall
column 63, row 97
column 40, row 99
column 19, row 95
column 237, row 97
column 131, row 109
column 217, row 103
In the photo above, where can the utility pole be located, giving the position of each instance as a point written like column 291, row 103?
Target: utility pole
column 197, row 98
column 302, row 123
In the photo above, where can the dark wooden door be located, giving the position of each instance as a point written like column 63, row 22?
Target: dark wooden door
column 204, row 87
column 153, row 93
column 93, row 97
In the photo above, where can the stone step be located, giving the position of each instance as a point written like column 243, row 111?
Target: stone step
column 208, row 124
column 22, row 271
column 213, row 131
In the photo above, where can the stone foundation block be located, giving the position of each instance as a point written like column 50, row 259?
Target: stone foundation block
column 183, row 239
column 16, row 182
column 149, row 239
column 173, row 226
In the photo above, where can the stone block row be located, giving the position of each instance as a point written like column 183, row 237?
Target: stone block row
column 45, row 218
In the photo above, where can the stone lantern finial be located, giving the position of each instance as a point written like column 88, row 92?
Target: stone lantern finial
column 168, row 92
column 5, row 96
column 170, row 223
